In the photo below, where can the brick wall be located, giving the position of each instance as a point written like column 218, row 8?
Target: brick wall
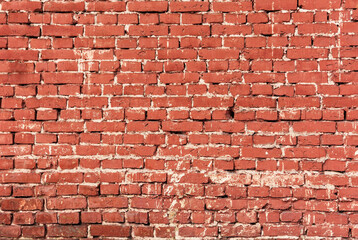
column 179, row 119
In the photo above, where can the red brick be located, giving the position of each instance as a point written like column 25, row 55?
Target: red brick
column 241, row 231
column 142, row 231
column 198, row 231
column 19, row 30
column 10, row 231
column 110, row 231
column 275, row 5
column 160, row 6
column 69, row 218
column 67, row 231
column 189, row 6
column 330, row 4
column 232, row 6
column 66, row 203
column 22, row 5
column 22, row 204
column 104, row 30
column 351, row 4
column 195, row 30
column 280, row 230
column 106, row 6
column 62, row 30
column 33, row 231
column 107, row 202
column 322, row 231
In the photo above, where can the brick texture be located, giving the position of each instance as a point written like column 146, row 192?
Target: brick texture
column 179, row 119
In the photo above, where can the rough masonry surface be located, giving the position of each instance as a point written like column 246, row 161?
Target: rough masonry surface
column 171, row 119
